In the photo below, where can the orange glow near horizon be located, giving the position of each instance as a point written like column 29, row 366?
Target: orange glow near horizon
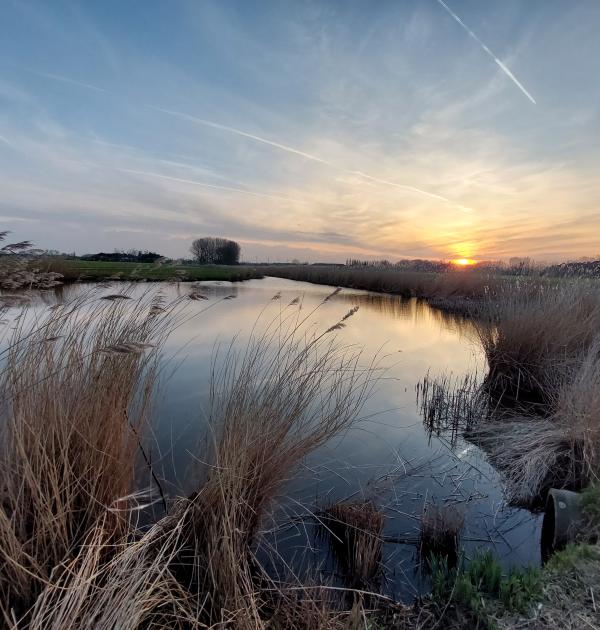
column 463, row 262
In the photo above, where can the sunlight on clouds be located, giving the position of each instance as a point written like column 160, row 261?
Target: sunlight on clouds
column 409, row 143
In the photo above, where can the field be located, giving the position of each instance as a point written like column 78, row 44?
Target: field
column 82, row 270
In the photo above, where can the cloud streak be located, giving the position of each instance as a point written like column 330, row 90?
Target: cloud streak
column 308, row 156
column 58, row 77
column 260, row 139
column 206, row 185
column 502, row 66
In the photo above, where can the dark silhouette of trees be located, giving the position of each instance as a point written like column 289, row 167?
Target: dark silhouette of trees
column 215, row 251
column 132, row 255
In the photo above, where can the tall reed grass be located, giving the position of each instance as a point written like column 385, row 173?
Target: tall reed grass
column 461, row 290
column 287, row 393
column 537, row 411
column 77, row 387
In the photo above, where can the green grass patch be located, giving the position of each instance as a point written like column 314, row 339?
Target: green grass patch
column 478, row 591
column 590, row 506
column 568, row 560
column 82, row 270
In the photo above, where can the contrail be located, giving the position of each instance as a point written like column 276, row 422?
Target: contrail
column 504, row 69
column 272, row 143
column 239, row 132
column 3, row 139
column 308, row 156
column 401, row 186
column 58, row 77
column 206, row 185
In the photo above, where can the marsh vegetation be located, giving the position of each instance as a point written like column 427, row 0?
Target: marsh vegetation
column 94, row 532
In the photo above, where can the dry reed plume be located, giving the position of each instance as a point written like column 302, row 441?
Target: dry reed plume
column 75, row 387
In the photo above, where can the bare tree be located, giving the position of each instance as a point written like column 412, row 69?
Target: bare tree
column 216, row 251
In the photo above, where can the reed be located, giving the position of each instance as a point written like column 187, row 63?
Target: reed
column 440, row 532
column 462, row 290
column 539, row 336
column 75, row 389
column 283, row 396
column 355, row 533
column 77, row 557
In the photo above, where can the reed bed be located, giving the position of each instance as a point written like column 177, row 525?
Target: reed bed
column 461, row 289
column 536, row 413
column 77, row 387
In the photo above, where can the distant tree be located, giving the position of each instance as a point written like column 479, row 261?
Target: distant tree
column 215, row 251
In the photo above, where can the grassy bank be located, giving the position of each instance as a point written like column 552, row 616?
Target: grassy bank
column 89, row 271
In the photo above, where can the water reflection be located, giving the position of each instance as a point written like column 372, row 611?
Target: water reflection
column 388, row 458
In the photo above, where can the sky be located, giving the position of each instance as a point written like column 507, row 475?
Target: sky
column 310, row 130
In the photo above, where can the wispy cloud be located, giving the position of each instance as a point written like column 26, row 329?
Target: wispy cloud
column 5, row 140
column 267, row 141
column 502, row 66
column 308, row 156
column 245, row 134
column 58, row 77
column 207, row 185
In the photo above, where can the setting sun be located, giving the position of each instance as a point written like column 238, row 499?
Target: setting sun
column 463, row 262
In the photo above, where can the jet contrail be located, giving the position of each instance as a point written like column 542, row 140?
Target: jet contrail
column 58, row 77
column 245, row 134
column 308, row 156
column 3, row 139
column 504, row 69
column 206, row 185
column 272, row 143
column 401, row 186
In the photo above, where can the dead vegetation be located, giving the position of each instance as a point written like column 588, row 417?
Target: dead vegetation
column 73, row 403
column 440, row 533
column 76, row 388
column 461, row 290
column 536, row 411
column 355, row 534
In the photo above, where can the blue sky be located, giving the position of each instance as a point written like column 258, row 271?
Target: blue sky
column 310, row 130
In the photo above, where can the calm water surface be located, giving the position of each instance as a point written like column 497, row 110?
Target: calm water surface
column 388, row 457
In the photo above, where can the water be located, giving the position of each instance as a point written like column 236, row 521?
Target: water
column 387, row 457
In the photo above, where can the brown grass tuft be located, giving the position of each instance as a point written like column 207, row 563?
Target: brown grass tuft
column 440, row 532
column 71, row 416
column 285, row 395
column 355, row 534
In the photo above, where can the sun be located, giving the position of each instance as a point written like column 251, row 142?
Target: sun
column 463, row 262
